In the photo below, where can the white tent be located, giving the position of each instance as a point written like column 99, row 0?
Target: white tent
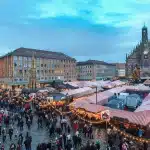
column 118, row 83
column 74, row 84
column 79, row 92
column 82, row 84
column 43, row 91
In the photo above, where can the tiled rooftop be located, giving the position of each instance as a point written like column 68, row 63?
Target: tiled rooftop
column 28, row 52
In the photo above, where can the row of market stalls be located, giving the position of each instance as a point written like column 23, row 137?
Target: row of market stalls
column 91, row 109
column 105, row 84
column 140, row 116
column 86, row 88
column 80, row 92
column 78, row 89
column 137, row 121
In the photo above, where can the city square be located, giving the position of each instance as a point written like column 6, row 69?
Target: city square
column 74, row 75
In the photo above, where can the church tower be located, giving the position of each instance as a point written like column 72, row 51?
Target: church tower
column 145, row 57
column 144, row 34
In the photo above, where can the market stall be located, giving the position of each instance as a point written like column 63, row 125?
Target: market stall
column 76, row 93
column 147, row 82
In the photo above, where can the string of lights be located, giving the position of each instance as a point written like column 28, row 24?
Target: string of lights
column 100, row 121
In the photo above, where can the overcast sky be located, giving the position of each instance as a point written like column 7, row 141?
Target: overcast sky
column 84, row 29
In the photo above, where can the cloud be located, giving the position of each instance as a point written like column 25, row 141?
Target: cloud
column 117, row 13
column 81, row 28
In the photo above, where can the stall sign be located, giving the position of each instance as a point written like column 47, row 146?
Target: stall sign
column 105, row 115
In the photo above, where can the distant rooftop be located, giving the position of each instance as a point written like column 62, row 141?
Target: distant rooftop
column 93, row 62
column 120, row 65
column 28, row 52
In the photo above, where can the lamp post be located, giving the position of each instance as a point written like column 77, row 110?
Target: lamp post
column 96, row 95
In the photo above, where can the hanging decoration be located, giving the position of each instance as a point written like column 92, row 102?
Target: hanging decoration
column 94, row 118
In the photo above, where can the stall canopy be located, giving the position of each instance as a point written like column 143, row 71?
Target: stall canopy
column 102, row 98
column 72, row 84
column 76, row 93
column 118, row 83
column 69, row 86
column 147, row 82
column 43, row 91
column 138, row 88
column 145, row 104
column 50, row 89
column 142, row 118
column 113, row 84
column 82, row 84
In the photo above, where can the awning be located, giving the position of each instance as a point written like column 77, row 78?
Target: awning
column 147, row 82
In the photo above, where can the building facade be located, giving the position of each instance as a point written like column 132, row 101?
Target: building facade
column 120, row 70
column 15, row 66
column 140, row 56
column 95, row 70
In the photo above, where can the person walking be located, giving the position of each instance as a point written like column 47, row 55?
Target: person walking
column 10, row 132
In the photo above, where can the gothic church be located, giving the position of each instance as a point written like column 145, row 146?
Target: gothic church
column 140, row 56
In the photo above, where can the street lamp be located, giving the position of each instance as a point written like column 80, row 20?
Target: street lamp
column 96, row 94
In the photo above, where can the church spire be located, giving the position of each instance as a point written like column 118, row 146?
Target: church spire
column 144, row 34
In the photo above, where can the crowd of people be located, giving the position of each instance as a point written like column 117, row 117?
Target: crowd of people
column 17, row 118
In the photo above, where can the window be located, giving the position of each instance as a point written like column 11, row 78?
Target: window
column 20, row 63
column 15, row 58
column 20, row 58
column 41, row 65
column 25, row 65
column 49, row 65
column 25, row 58
column 29, row 64
column 38, row 59
column 29, row 59
column 45, row 65
column 53, row 66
